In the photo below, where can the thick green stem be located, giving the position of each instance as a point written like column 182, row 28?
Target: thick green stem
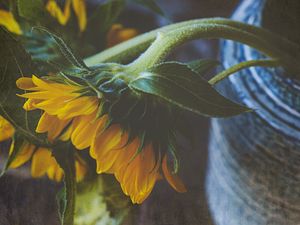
column 226, row 73
column 64, row 155
column 128, row 50
column 166, row 42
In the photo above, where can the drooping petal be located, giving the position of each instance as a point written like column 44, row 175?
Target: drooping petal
column 172, row 179
column 54, row 172
column 55, row 11
column 8, row 21
column 41, row 162
column 85, row 128
column 137, row 174
column 24, row 154
column 80, row 169
column 80, row 11
column 25, row 83
column 52, row 125
column 6, row 129
column 77, row 107
column 105, row 141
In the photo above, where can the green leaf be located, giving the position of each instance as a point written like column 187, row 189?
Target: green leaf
column 66, row 51
column 150, row 4
column 64, row 155
column 16, row 63
column 31, row 9
column 179, row 85
column 16, row 144
column 203, row 66
column 61, row 199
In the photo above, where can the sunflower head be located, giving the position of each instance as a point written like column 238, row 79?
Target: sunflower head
column 128, row 133
column 141, row 115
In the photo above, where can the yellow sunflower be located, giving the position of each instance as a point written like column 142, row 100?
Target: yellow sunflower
column 66, row 106
column 42, row 162
column 9, row 22
column 63, row 16
column 118, row 34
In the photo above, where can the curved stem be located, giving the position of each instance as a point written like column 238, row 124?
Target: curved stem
column 166, row 42
column 127, row 51
column 226, row 73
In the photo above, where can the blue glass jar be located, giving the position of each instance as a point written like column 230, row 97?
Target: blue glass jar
column 254, row 159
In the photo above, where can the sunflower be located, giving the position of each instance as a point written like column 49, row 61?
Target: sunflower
column 118, row 33
column 120, row 146
column 63, row 16
column 42, row 162
column 9, row 22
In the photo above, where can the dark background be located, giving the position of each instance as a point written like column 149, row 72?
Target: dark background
column 27, row 201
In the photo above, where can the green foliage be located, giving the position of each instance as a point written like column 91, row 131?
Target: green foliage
column 65, row 51
column 203, row 66
column 16, row 63
column 31, row 9
column 179, row 85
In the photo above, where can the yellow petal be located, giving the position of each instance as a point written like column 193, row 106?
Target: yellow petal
column 103, row 142
column 80, row 11
column 85, row 128
column 30, row 104
column 25, row 83
column 54, row 172
column 6, row 129
column 23, row 155
column 67, row 134
column 77, row 107
column 55, row 11
column 52, row 125
column 8, row 21
column 41, row 162
column 118, row 34
column 138, row 176
column 80, row 169
column 172, row 179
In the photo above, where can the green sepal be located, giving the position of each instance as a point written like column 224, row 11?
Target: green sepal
column 203, row 66
column 64, row 155
column 16, row 63
column 177, row 84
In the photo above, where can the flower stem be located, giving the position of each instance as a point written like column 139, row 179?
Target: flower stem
column 166, row 42
column 127, row 51
column 226, row 73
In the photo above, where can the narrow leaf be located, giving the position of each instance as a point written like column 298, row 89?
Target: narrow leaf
column 179, row 85
column 15, row 63
column 65, row 50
